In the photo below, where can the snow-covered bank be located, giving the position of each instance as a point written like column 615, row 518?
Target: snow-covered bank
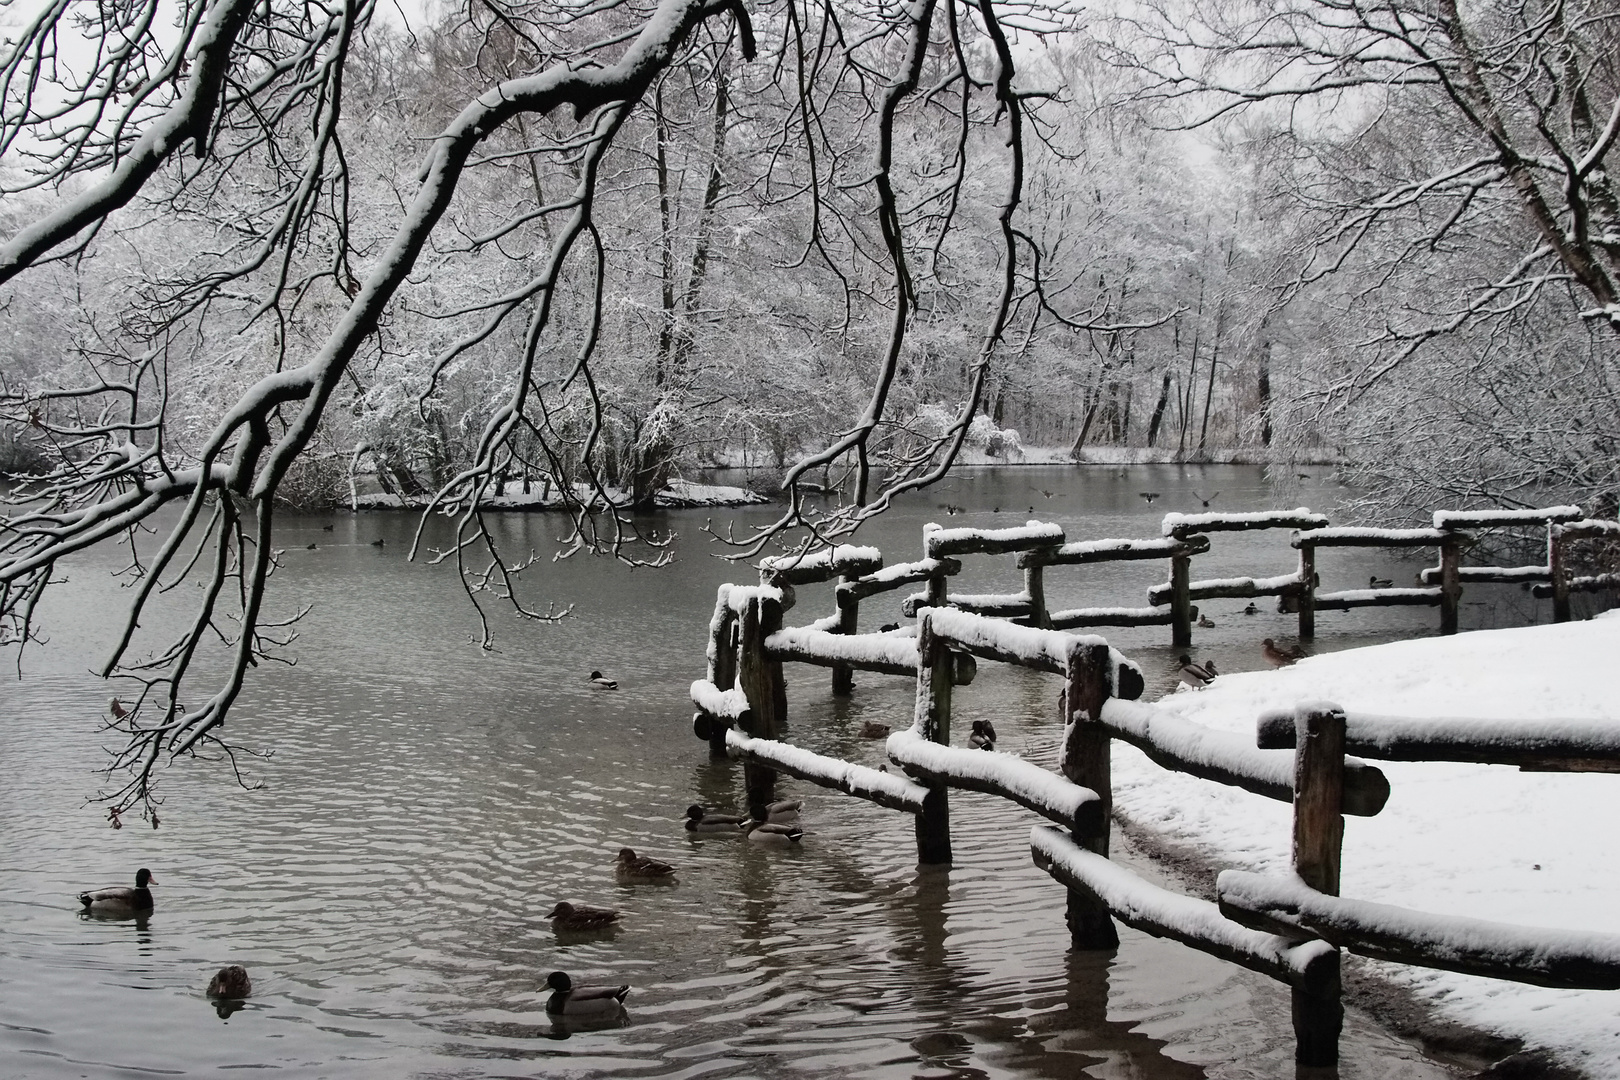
column 678, row 495
column 1482, row 841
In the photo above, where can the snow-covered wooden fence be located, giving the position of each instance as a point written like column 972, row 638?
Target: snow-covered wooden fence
column 1292, row 929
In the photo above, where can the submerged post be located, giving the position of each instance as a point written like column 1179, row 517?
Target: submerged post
column 1035, row 589
column 1180, row 602
column 1307, row 590
column 723, row 673
column 1085, row 761
column 1450, row 581
column 849, row 607
column 933, row 717
column 761, row 680
column 1318, row 840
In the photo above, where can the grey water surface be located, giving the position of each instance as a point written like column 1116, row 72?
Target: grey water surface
column 426, row 803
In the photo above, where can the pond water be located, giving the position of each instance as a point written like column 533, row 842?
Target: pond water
column 426, row 804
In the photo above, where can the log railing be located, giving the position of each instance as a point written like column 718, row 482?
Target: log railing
column 1290, row 928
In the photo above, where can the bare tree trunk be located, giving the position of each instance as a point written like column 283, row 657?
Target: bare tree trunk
column 1158, row 411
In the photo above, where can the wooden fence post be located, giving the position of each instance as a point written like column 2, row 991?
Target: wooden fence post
column 1035, row 589
column 1307, row 590
column 1555, row 567
column 723, row 673
column 1180, row 604
column 849, row 606
column 1085, row 761
column 761, row 680
column 1318, row 839
column 1450, row 581
column 934, row 708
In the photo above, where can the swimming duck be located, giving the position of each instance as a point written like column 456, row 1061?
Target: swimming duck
column 631, row 865
column 1376, row 582
column 1251, row 609
column 783, row 811
column 983, row 736
column 888, row 628
column 598, row 679
column 230, row 981
column 699, row 820
column 566, row 916
column 379, row 542
column 117, row 901
column 570, row 1000
column 769, row 832
column 1275, row 656
column 874, row 730
column 1196, row 675
column 1206, row 622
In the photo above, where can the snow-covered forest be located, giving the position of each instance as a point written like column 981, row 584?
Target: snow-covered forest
column 255, row 247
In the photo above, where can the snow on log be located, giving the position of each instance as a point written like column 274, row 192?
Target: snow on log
column 1488, row 519
column 1571, row 959
column 1590, row 583
column 1198, row 923
column 938, row 543
column 1562, row 744
column 885, row 789
column 1237, row 587
column 738, row 597
column 1027, row 646
column 1091, row 551
column 1587, row 529
column 996, row 773
column 1113, row 616
column 1228, row 758
column 1007, row 605
column 1503, row 575
column 865, row 652
column 729, row 705
column 898, row 576
column 820, row 565
column 1179, row 525
column 1354, row 598
column 1360, row 536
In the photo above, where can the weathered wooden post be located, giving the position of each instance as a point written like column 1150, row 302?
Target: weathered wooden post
column 1451, row 549
column 849, row 609
column 760, row 678
column 1181, row 618
column 1318, row 839
column 722, row 671
column 934, row 711
column 1035, row 589
column 1307, row 589
column 1085, row 761
column 1556, row 542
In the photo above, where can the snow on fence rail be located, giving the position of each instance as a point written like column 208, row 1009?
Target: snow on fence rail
column 1561, row 745
column 885, row 789
column 1571, row 959
column 996, row 773
column 805, row 569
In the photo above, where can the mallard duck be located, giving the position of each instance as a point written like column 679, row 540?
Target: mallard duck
column 783, row 811
column 983, row 736
column 1251, row 609
column 631, row 865
column 888, row 628
column 1376, row 582
column 1206, row 622
column 117, row 709
column 1196, row 675
column 566, row 916
column 700, row 820
column 1148, row 496
column 116, row 901
column 570, row 1000
column 871, row 729
column 379, row 542
column 598, row 679
column 768, row 832
column 230, row 981
column 1275, row 656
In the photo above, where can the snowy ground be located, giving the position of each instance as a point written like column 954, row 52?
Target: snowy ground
column 1486, row 841
column 679, row 494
